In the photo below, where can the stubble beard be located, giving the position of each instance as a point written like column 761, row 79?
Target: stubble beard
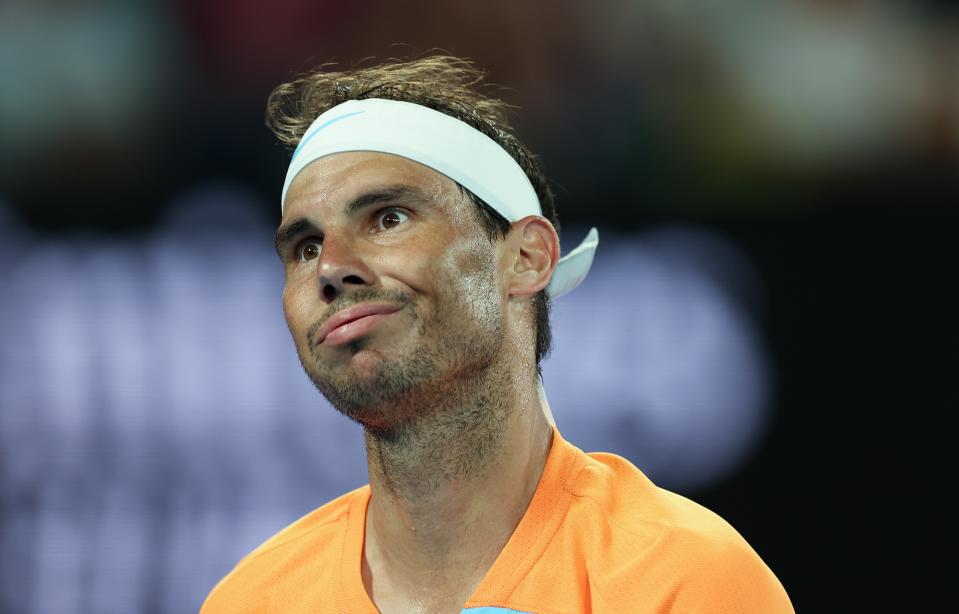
column 437, row 412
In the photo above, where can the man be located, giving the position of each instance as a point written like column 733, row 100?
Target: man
column 420, row 246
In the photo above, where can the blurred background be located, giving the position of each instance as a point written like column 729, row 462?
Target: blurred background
column 769, row 327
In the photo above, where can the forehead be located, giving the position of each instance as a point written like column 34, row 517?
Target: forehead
column 325, row 184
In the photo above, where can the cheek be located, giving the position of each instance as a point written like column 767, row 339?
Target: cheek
column 299, row 275
column 472, row 283
column 295, row 309
column 412, row 268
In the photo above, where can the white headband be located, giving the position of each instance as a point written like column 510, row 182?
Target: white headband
column 448, row 146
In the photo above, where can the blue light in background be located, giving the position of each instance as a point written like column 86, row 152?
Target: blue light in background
column 156, row 425
column 656, row 358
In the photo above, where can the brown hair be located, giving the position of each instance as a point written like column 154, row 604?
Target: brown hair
column 443, row 83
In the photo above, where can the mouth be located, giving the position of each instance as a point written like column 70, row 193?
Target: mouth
column 349, row 324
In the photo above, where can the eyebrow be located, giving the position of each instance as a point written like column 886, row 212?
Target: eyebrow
column 289, row 232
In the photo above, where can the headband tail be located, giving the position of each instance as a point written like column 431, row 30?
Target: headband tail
column 573, row 267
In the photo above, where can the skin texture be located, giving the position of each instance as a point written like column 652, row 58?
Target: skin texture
column 456, row 433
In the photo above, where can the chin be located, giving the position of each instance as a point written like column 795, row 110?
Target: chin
column 382, row 395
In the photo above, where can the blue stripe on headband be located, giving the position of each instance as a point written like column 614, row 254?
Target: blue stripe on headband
column 304, row 140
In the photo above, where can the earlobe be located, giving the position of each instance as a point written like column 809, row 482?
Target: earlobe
column 536, row 252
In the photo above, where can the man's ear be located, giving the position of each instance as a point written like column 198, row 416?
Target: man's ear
column 533, row 253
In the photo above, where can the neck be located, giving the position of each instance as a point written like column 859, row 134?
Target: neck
column 448, row 491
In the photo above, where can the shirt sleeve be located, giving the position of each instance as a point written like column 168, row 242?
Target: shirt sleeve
column 731, row 578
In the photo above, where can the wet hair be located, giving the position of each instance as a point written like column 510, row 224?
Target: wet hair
column 444, row 83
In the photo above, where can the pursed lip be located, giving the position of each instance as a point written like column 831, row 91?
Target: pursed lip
column 352, row 313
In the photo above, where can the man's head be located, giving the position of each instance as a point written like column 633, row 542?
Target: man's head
column 447, row 84
column 385, row 232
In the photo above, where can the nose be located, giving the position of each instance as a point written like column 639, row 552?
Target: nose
column 340, row 266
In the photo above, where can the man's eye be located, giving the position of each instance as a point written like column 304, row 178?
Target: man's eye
column 308, row 250
column 390, row 218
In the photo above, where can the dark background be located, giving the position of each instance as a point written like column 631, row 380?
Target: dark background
column 821, row 137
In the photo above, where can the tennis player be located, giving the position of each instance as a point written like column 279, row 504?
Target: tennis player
column 421, row 249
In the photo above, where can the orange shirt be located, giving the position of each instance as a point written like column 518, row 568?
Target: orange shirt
column 598, row 536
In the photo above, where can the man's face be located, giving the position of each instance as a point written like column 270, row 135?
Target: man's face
column 381, row 231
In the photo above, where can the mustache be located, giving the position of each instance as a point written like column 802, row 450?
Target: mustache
column 365, row 295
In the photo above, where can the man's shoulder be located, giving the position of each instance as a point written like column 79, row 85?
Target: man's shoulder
column 316, row 534
column 617, row 492
column 325, row 522
column 648, row 536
